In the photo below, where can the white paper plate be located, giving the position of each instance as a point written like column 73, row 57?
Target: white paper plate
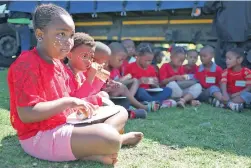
column 101, row 113
column 154, row 90
column 120, row 97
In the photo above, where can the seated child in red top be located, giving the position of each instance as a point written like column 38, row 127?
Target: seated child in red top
column 130, row 56
column 40, row 101
column 115, row 61
column 79, row 60
column 146, row 74
column 190, row 68
column 209, row 76
column 157, row 59
column 236, row 81
column 172, row 75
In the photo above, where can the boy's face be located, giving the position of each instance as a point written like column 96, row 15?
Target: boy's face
column 130, row 47
column 206, row 57
column 178, row 59
column 232, row 60
column 101, row 57
column 145, row 60
column 192, row 58
column 81, row 57
column 117, row 59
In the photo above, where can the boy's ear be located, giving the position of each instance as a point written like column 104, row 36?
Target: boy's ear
column 39, row 34
column 240, row 60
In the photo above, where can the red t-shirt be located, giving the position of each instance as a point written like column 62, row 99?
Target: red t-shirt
column 31, row 80
column 115, row 74
column 123, row 67
column 208, row 78
column 137, row 72
column 236, row 81
column 188, row 70
column 166, row 71
column 82, row 88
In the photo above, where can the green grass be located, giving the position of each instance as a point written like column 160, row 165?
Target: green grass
column 202, row 137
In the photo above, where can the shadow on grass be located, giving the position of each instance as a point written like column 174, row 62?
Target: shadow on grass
column 205, row 128
column 12, row 155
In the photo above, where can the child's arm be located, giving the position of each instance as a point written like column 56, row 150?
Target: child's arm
column 44, row 110
column 223, row 86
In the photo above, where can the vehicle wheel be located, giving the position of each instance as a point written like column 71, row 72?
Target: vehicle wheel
column 8, row 46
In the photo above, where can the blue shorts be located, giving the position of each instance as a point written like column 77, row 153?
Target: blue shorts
column 246, row 96
column 213, row 89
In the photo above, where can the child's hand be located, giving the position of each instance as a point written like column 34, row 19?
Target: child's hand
column 84, row 106
column 235, row 94
column 179, row 78
column 144, row 80
column 225, row 97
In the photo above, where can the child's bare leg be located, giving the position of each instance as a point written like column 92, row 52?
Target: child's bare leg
column 217, row 95
column 238, row 100
column 134, row 87
column 118, row 121
column 97, row 142
column 132, row 99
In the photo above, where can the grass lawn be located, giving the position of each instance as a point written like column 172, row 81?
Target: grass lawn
column 202, row 137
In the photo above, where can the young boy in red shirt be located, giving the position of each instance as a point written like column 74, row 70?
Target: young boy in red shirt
column 236, row 81
column 209, row 76
column 190, row 68
column 172, row 75
column 115, row 62
column 146, row 74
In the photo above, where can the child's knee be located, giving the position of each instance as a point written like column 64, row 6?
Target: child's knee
column 123, row 113
column 195, row 90
column 246, row 96
column 111, row 137
column 213, row 89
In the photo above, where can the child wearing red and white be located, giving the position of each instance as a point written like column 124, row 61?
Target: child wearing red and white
column 236, row 81
column 146, row 74
column 172, row 75
column 190, row 68
column 209, row 76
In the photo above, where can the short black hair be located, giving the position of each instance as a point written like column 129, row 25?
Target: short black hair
column 117, row 47
column 127, row 40
column 102, row 47
column 157, row 52
column 193, row 50
column 44, row 14
column 83, row 38
column 178, row 50
column 144, row 48
column 238, row 52
column 209, row 48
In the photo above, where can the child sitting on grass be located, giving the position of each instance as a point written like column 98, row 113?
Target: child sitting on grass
column 40, row 100
column 209, row 76
column 172, row 75
column 236, row 81
column 116, row 87
column 146, row 74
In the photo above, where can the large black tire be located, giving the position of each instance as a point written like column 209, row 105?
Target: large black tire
column 8, row 45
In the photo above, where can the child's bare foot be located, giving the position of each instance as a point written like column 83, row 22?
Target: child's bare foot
column 105, row 159
column 195, row 103
column 132, row 138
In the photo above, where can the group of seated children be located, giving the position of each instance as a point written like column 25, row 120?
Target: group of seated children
column 183, row 83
